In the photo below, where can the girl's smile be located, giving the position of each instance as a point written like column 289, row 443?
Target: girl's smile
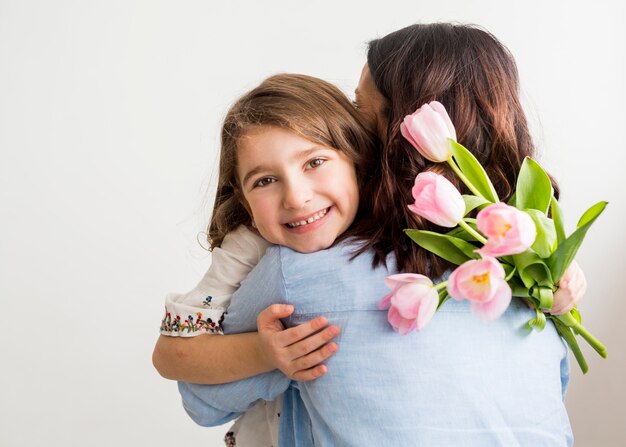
column 300, row 194
column 307, row 220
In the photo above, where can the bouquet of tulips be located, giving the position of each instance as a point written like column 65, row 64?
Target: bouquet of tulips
column 509, row 249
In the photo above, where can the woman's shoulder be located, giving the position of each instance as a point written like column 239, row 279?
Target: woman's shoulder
column 341, row 255
column 338, row 265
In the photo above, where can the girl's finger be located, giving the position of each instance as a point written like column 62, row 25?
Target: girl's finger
column 310, row 374
column 315, row 357
column 270, row 315
column 297, row 333
column 310, row 344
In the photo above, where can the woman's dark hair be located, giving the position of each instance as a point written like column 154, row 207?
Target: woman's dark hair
column 475, row 77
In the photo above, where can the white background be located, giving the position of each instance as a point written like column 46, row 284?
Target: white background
column 109, row 121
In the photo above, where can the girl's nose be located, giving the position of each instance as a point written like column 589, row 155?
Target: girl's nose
column 297, row 195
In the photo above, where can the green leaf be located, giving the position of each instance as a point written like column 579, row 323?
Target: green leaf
column 517, row 287
column 576, row 314
column 474, row 171
column 511, row 200
column 545, row 242
column 534, row 188
column 509, row 271
column 454, row 250
column 532, row 269
column 461, row 233
column 472, row 202
column 567, row 335
column 566, row 251
column 568, row 319
column 591, row 214
column 545, row 295
column 557, row 217
column 539, row 322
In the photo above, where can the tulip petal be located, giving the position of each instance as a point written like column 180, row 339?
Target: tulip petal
column 491, row 310
column 404, row 130
column 406, row 299
column 427, row 309
column 453, row 287
column 437, row 200
column 475, row 280
column 385, row 303
column 397, row 280
column 508, row 230
column 441, row 110
column 399, row 324
column 431, row 134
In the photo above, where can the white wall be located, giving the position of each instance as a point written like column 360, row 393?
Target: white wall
column 109, row 119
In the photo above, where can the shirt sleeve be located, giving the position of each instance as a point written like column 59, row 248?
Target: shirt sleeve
column 210, row 405
column 201, row 310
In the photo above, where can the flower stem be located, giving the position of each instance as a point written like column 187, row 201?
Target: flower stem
column 464, row 179
column 441, row 285
column 569, row 320
column 473, row 232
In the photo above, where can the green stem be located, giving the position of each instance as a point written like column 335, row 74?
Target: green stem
column 464, row 179
column 570, row 339
column 569, row 320
column 473, row 232
column 441, row 285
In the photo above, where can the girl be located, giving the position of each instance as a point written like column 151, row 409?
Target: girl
column 458, row 382
column 294, row 152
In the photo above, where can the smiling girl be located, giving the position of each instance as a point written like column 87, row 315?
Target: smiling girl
column 294, row 155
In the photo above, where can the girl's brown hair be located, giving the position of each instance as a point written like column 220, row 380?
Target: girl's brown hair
column 310, row 107
column 475, row 77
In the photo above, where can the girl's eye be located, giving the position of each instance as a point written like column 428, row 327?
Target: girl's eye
column 316, row 162
column 263, row 182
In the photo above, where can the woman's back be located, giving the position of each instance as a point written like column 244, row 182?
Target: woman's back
column 459, row 381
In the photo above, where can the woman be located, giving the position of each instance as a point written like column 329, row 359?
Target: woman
column 459, row 381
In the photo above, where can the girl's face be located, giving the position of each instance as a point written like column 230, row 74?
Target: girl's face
column 300, row 194
column 371, row 103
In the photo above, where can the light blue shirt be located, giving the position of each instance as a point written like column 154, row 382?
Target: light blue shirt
column 459, row 381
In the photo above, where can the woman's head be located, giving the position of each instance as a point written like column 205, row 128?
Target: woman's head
column 475, row 77
column 294, row 151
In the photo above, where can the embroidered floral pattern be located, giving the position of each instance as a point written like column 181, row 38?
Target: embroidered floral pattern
column 176, row 324
column 229, row 439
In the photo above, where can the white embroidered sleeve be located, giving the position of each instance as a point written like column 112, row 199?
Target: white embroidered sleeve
column 201, row 310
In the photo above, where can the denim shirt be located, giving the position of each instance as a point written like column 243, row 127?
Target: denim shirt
column 459, row 381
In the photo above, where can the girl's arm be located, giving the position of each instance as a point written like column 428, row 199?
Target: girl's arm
column 209, row 359
column 216, row 359
column 185, row 351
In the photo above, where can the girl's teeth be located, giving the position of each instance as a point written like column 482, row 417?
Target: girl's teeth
column 309, row 220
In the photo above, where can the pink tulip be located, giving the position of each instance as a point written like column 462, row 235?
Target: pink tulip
column 437, row 200
column 411, row 304
column 429, row 130
column 483, row 283
column 508, row 230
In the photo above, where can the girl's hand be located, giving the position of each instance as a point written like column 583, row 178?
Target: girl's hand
column 572, row 287
column 298, row 351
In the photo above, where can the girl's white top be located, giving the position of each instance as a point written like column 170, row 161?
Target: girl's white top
column 201, row 311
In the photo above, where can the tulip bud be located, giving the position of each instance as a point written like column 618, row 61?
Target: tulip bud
column 429, row 130
column 482, row 282
column 437, row 200
column 508, row 230
column 411, row 304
